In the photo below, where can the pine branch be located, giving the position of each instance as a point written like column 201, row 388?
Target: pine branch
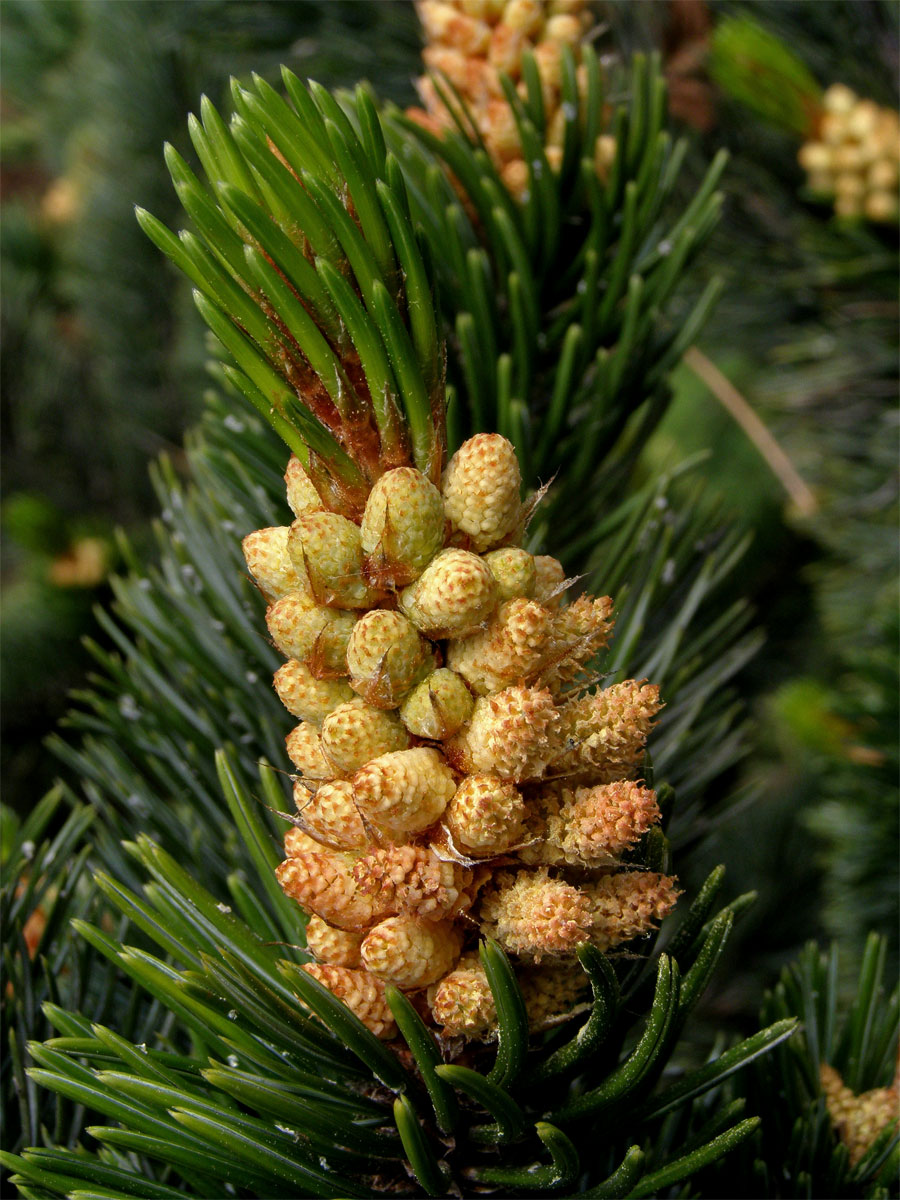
column 239, row 1101
column 334, row 345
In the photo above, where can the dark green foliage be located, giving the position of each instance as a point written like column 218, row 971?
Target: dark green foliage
column 242, row 1087
column 798, row 1154
column 190, row 670
column 45, row 883
column 842, row 41
column 97, row 87
column 857, row 816
column 807, row 331
column 560, row 361
column 42, row 658
column 757, row 68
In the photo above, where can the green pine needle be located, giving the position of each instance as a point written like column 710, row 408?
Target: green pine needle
column 285, row 320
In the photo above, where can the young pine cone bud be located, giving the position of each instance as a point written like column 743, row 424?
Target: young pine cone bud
column 486, row 815
column 355, row 732
column 310, row 633
column 402, row 527
column 462, row 1002
column 268, row 561
column 390, row 852
column 510, row 649
column 453, row 596
column 883, row 175
column 551, row 991
column 556, row 126
column 856, row 157
column 514, row 571
column 548, row 56
column 414, row 880
column 564, row 27
column 301, row 491
column 503, row 30
column 512, row 734
column 605, row 151
column 505, row 50
column 497, row 124
column 531, row 914
column 515, row 176
column 330, row 814
column 589, row 826
column 857, row 1119
column 815, row 157
column 439, row 707
column 404, row 792
column 556, row 132
column 838, row 98
column 410, row 952
column 325, row 547
column 549, row 577
column 606, row 732
column 468, row 75
column 527, row 16
column 304, row 747
column 361, row 992
column 308, row 698
column 881, row 205
column 386, row 658
column 339, row 947
column 862, row 121
column 481, row 489
column 444, row 22
column 628, row 904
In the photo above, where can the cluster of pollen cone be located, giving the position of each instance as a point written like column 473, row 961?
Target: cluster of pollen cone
column 472, row 43
column 855, row 157
column 459, row 774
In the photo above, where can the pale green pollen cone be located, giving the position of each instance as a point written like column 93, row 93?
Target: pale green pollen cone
column 438, row 707
column 386, row 657
column 325, row 547
column 311, row 633
column 402, row 527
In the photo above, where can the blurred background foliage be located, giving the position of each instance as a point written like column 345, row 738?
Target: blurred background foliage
column 103, row 368
column 103, row 363
column 807, row 333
